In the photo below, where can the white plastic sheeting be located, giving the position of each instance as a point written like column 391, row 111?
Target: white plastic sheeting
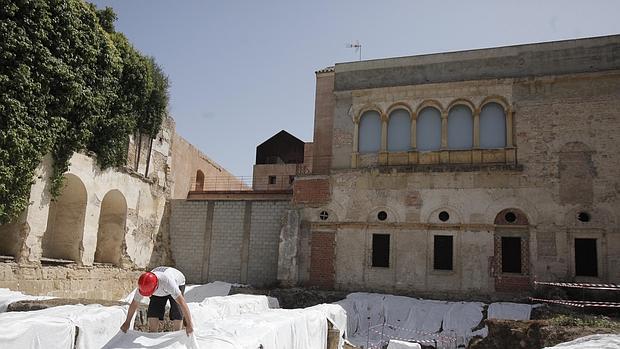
column 217, row 308
column 395, row 344
column 198, row 293
column 56, row 327
column 7, row 297
column 510, row 311
column 37, row 333
column 595, row 341
column 193, row 293
column 273, row 329
column 337, row 316
column 374, row 319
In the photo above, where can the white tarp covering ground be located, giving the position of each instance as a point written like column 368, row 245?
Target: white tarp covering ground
column 56, row 327
column 596, row 341
column 273, row 329
column 7, row 297
column 217, row 308
column 373, row 319
column 510, row 311
column 395, row 344
column 97, row 325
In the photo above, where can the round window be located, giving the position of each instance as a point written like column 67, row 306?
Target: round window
column 382, row 215
column 444, row 216
column 324, row 215
column 510, row 217
column 583, row 217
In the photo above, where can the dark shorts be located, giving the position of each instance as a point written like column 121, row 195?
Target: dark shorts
column 157, row 307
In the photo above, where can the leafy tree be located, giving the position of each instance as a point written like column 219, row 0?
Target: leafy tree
column 68, row 82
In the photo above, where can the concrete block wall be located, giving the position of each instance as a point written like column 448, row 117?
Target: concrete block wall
column 187, row 219
column 266, row 223
column 226, row 241
column 232, row 241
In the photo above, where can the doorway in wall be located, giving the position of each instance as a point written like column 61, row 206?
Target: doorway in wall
column 586, row 259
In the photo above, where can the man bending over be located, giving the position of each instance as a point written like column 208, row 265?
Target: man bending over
column 162, row 284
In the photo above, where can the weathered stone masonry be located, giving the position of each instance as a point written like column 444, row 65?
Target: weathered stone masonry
column 533, row 205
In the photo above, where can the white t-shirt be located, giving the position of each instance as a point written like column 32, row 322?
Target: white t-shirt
column 168, row 282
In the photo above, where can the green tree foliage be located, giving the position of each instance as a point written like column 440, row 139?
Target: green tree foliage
column 68, row 82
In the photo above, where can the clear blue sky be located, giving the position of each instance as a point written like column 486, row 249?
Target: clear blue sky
column 240, row 71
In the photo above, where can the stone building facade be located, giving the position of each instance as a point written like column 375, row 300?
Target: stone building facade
column 105, row 224
column 467, row 172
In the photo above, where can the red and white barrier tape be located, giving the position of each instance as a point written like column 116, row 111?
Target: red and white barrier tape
column 580, row 304
column 611, row 287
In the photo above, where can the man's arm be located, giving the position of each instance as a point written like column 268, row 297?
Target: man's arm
column 189, row 326
column 132, row 310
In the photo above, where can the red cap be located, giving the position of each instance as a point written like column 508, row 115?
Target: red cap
column 147, row 284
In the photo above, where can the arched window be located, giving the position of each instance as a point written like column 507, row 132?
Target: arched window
column 399, row 130
column 370, row 132
column 428, row 129
column 492, row 126
column 460, row 128
column 200, row 181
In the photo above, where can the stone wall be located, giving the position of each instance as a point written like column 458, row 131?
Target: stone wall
column 115, row 217
column 227, row 240
column 560, row 162
column 94, row 282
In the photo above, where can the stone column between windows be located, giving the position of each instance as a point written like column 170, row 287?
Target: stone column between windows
column 383, row 154
column 414, row 140
column 356, row 135
column 509, row 143
column 444, row 130
column 384, row 135
column 476, row 128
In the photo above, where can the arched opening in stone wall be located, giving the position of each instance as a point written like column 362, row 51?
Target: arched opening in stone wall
column 399, row 130
column 111, row 228
column 200, row 181
column 460, row 128
column 9, row 239
column 65, row 222
column 429, row 129
column 370, row 132
column 492, row 126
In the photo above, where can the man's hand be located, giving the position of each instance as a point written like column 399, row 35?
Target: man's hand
column 189, row 328
column 125, row 326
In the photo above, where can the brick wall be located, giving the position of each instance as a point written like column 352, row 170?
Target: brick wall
column 512, row 283
column 322, row 256
column 237, row 242
column 311, row 191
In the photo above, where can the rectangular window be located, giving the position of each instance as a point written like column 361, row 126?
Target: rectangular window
column 381, row 250
column 272, row 179
column 442, row 252
column 586, row 260
column 511, row 254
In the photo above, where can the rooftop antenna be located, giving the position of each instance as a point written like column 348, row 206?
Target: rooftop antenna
column 357, row 46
